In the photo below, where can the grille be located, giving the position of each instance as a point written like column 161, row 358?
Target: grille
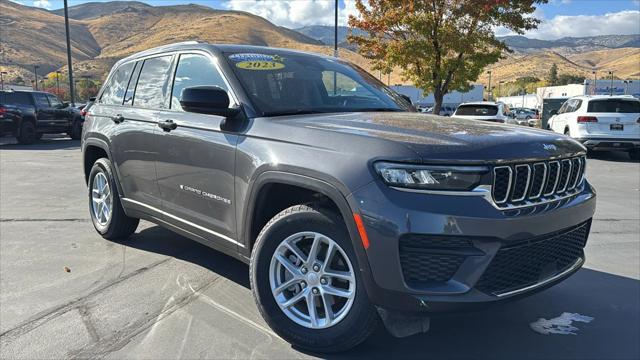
column 535, row 183
column 527, row 263
column 428, row 259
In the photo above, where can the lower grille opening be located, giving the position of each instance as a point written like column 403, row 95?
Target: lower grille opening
column 530, row 262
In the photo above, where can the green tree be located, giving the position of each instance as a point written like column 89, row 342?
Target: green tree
column 552, row 78
column 564, row 79
column 18, row 80
column 440, row 45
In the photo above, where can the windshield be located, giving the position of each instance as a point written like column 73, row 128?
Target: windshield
column 477, row 110
column 614, row 106
column 282, row 83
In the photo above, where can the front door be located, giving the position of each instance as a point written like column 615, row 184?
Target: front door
column 44, row 113
column 196, row 162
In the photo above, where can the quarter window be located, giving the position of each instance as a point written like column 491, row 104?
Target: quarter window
column 194, row 70
column 116, row 86
column 152, row 88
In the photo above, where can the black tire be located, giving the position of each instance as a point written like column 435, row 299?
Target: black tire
column 76, row 130
column 362, row 318
column 27, row 134
column 119, row 225
column 634, row 154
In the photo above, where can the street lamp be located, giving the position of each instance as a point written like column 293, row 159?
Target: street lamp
column 499, row 91
column 611, row 87
column 595, row 82
column 2, row 79
column 58, row 82
column 69, row 63
column 489, row 95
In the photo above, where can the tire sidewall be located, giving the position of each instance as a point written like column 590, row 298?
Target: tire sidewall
column 27, row 128
column 102, row 166
column 268, row 241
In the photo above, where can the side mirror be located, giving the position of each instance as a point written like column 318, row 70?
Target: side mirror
column 553, row 112
column 64, row 105
column 211, row 100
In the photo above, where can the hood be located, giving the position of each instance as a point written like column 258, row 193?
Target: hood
column 438, row 138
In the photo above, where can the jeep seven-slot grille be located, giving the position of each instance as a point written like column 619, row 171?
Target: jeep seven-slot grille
column 532, row 261
column 535, row 183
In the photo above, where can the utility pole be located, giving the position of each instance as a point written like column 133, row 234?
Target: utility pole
column 335, row 47
column 489, row 94
column 611, row 87
column 2, row 79
column 69, row 64
column 58, row 82
column 35, row 75
column 595, row 82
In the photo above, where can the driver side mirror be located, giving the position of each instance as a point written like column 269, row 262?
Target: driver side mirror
column 211, row 100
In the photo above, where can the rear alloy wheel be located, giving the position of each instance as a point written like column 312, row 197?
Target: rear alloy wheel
column 306, row 283
column 106, row 211
column 27, row 133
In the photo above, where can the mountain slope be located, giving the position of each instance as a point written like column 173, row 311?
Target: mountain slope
column 34, row 36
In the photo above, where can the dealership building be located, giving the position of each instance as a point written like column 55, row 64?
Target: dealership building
column 452, row 99
column 602, row 87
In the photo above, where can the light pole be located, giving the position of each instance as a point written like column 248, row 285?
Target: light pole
column 2, row 79
column 595, row 82
column 35, row 75
column 500, row 91
column 58, row 82
column 69, row 63
column 489, row 94
column 611, row 87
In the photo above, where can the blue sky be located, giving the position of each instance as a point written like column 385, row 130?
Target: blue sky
column 560, row 17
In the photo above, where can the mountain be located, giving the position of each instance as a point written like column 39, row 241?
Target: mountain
column 591, row 42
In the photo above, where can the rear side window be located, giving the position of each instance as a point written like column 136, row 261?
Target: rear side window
column 15, row 98
column 54, row 100
column 41, row 100
column 194, row 70
column 614, row 106
column 477, row 110
column 153, row 83
column 116, row 86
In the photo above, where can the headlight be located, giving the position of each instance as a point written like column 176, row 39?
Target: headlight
column 429, row 177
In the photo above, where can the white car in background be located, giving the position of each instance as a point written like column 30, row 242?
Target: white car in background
column 486, row 111
column 601, row 122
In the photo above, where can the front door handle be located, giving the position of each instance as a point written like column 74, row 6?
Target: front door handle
column 167, row 125
column 117, row 119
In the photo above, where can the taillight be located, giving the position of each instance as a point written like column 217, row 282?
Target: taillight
column 2, row 110
column 587, row 119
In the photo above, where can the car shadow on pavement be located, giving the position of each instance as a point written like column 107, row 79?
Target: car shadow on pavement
column 499, row 332
column 162, row 241
column 614, row 156
column 46, row 143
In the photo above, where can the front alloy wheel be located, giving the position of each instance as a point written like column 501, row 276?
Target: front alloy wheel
column 312, row 280
column 101, row 199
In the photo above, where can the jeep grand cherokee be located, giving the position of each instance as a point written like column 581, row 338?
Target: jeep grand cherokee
column 349, row 206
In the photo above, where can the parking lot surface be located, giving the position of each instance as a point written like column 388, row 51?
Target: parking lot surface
column 159, row 295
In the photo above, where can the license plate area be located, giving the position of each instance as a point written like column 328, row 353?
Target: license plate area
column 616, row 127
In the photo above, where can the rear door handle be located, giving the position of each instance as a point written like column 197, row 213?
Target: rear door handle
column 117, row 119
column 167, row 125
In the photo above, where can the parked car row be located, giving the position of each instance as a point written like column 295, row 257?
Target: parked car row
column 27, row 115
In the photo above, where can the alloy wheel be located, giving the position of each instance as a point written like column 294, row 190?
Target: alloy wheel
column 101, row 199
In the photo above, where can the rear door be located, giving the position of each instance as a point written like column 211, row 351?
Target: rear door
column 616, row 118
column 196, row 162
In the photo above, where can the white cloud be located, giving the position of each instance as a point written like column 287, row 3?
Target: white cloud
column 45, row 4
column 621, row 23
column 295, row 13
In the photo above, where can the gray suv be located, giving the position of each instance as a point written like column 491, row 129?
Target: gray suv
column 349, row 206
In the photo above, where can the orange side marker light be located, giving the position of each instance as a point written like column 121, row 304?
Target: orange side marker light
column 361, row 230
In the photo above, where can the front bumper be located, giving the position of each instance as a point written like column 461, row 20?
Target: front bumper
column 462, row 243
column 612, row 144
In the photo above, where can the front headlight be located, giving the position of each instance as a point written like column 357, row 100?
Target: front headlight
column 430, row 177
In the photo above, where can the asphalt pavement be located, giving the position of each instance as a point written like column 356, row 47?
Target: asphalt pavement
column 159, row 295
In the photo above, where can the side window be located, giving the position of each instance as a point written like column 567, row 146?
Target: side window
column 15, row 98
column 578, row 105
column 41, row 100
column 563, row 108
column 117, row 84
column 194, row 70
column 128, row 96
column 55, row 102
column 152, row 88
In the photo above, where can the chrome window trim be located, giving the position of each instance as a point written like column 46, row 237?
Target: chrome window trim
column 544, row 179
column 506, row 197
column 526, row 186
column 555, row 185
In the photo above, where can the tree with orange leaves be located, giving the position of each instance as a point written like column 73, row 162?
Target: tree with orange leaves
column 440, row 45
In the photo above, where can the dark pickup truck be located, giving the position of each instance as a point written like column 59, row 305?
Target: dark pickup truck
column 28, row 115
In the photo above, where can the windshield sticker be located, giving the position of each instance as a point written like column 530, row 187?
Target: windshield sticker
column 260, row 65
column 254, row 57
